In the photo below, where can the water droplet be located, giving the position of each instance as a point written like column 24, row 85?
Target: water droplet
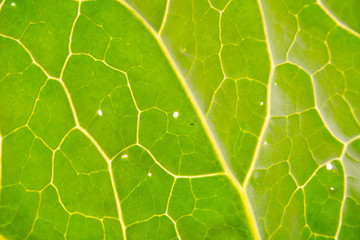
column 175, row 114
column 124, row 156
column 329, row 166
column 261, row 103
column 149, row 174
column 100, row 112
column 332, row 189
column 275, row 84
column 265, row 142
column 13, row 4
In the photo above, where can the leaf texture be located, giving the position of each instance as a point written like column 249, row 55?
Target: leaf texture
column 165, row 119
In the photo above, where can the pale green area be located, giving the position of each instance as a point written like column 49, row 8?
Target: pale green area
column 152, row 10
column 108, row 143
column 348, row 12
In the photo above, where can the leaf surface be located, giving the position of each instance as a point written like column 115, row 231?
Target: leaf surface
column 179, row 119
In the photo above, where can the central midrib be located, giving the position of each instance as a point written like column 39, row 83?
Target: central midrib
column 242, row 192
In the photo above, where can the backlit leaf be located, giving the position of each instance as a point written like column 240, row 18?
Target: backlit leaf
column 169, row 119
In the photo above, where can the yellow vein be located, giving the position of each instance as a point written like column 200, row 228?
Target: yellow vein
column 165, row 17
column 65, row 64
column 167, row 208
column 268, row 101
column 28, row 51
column 36, row 217
column 283, row 214
column 294, row 39
column 154, row 159
column 323, row 119
column 221, row 63
column 228, row 172
column 87, row 134
column 203, row 175
column 353, row 114
column 137, row 108
column 70, row 103
column 336, row 20
column 174, row 175
column 314, row 174
column 111, row 177
column 344, row 196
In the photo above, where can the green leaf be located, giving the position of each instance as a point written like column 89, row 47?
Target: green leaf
column 206, row 119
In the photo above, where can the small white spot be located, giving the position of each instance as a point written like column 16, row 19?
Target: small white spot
column 261, row 103
column 124, row 156
column 276, row 84
column 329, row 166
column 149, row 174
column 100, row 112
column 13, row 4
column 175, row 114
column 265, row 142
column 332, row 189
column 256, row 174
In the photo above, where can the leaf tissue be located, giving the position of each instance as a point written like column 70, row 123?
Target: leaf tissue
column 179, row 119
